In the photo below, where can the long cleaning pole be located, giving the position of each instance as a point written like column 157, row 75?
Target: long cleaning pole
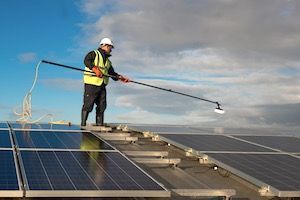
column 217, row 110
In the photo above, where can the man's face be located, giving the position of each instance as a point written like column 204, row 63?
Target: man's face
column 107, row 48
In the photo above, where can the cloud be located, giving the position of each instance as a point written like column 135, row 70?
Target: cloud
column 286, row 114
column 232, row 25
column 270, row 115
column 64, row 84
column 244, row 54
column 139, row 115
column 27, row 57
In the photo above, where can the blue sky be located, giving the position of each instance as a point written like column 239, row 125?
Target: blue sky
column 214, row 49
column 38, row 30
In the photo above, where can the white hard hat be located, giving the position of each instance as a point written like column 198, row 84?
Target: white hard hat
column 106, row 41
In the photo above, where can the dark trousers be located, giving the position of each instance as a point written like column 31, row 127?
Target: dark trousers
column 94, row 95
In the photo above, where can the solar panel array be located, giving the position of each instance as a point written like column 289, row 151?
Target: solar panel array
column 271, row 162
column 42, row 160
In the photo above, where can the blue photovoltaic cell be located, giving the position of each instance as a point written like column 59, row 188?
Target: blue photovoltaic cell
column 47, row 170
column 44, row 126
column 5, row 139
column 283, row 143
column 60, row 140
column 277, row 170
column 213, row 143
column 8, row 176
column 3, row 125
column 35, row 173
column 132, row 172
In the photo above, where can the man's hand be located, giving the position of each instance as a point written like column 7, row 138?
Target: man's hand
column 97, row 72
column 124, row 79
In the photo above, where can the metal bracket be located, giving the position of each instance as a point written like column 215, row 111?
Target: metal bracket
column 155, row 138
column 204, row 160
column 265, row 191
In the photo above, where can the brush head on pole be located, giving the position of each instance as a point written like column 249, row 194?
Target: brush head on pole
column 219, row 110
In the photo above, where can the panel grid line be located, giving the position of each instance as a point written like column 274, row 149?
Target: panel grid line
column 84, row 171
column 284, row 143
column 65, row 171
column 106, row 173
column 126, row 173
column 273, row 149
column 45, row 172
column 212, row 143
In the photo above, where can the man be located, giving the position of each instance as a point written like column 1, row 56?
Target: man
column 98, row 66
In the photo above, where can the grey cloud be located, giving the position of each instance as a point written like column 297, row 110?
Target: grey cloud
column 241, row 53
column 285, row 114
column 267, row 115
column 163, row 102
column 65, row 84
column 27, row 57
column 259, row 28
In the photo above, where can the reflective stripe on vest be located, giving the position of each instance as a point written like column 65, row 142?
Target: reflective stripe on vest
column 104, row 67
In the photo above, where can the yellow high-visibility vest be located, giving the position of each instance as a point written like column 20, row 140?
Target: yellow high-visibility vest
column 104, row 67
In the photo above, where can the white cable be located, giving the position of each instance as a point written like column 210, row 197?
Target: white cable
column 26, row 113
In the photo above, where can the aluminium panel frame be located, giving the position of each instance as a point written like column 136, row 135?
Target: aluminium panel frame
column 97, row 193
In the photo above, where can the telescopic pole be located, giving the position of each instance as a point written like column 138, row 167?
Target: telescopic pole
column 217, row 110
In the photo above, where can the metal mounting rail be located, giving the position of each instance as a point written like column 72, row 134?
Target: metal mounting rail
column 227, row 193
column 162, row 161
column 160, row 154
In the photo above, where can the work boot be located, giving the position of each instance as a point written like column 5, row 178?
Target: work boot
column 100, row 119
column 84, row 116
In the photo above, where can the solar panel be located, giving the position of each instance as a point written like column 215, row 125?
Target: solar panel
column 44, row 126
column 279, row 172
column 101, row 173
column 258, row 159
column 5, row 139
column 204, row 143
column 283, row 143
column 162, row 129
column 8, row 176
column 60, row 140
column 9, row 185
column 3, row 125
column 67, row 163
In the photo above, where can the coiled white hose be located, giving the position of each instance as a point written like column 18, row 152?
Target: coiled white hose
column 26, row 115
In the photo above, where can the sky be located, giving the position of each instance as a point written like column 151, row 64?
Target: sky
column 243, row 54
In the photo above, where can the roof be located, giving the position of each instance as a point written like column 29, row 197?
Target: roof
column 179, row 169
